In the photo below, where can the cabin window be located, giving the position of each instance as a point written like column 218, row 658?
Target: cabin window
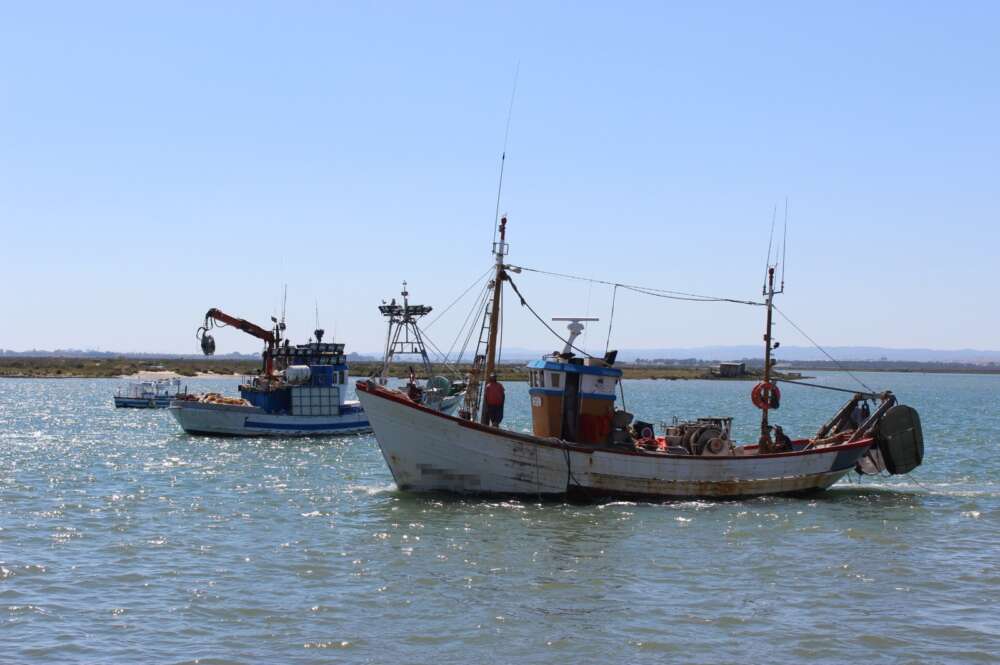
column 556, row 379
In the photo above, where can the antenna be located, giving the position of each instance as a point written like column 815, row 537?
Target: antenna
column 503, row 155
column 284, row 303
column 318, row 331
column 784, row 246
column 770, row 242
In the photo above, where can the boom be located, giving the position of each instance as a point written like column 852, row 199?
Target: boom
column 215, row 315
column 242, row 324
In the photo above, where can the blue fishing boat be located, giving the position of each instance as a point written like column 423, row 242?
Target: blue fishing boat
column 301, row 389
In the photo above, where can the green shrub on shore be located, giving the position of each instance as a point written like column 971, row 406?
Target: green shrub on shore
column 22, row 367
column 51, row 367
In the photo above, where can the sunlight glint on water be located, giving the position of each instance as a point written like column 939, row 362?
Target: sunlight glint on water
column 124, row 540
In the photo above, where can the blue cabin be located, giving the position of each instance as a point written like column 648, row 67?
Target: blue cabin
column 310, row 380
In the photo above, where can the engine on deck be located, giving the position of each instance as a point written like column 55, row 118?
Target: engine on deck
column 704, row 436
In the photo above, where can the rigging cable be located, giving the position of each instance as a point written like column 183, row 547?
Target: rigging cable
column 444, row 359
column 822, row 350
column 648, row 290
column 543, row 321
column 477, row 308
column 817, row 385
column 611, row 320
column 480, row 311
column 453, row 302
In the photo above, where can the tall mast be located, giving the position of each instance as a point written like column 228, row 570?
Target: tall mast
column 484, row 362
column 765, row 442
column 499, row 250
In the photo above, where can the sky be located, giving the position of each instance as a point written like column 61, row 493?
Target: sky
column 159, row 159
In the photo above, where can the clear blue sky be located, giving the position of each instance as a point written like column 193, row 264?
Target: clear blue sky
column 160, row 159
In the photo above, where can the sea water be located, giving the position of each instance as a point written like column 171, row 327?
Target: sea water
column 124, row 540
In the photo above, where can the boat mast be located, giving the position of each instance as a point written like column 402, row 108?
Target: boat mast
column 765, row 443
column 484, row 364
column 499, row 250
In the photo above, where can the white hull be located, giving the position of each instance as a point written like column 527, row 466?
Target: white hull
column 225, row 419
column 429, row 451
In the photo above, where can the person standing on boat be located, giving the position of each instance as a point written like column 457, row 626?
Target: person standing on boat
column 782, row 442
column 495, row 398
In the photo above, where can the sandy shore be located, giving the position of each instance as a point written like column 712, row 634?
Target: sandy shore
column 167, row 374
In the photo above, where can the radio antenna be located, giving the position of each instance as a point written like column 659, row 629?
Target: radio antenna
column 770, row 243
column 784, row 246
column 284, row 303
column 503, row 155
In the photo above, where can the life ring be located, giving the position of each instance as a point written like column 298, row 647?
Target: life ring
column 766, row 395
column 152, row 403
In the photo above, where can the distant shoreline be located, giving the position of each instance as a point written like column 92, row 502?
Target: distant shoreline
column 126, row 368
column 130, row 368
column 122, row 368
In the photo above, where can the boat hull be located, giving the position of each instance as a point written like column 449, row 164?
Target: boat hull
column 430, row 451
column 160, row 402
column 232, row 420
column 449, row 403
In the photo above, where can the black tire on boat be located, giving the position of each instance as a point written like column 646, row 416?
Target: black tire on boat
column 901, row 439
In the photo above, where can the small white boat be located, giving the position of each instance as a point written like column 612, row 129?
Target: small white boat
column 581, row 445
column 147, row 394
column 301, row 391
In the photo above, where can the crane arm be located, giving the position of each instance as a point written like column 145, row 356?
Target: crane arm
column 215, row 315
column 249, row 328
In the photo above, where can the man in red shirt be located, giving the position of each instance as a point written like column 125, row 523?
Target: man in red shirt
column 495, row 397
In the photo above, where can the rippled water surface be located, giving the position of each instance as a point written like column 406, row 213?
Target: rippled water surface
column 124, row 540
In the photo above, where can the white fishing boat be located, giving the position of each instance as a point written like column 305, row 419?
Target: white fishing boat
column 405, row 338
column 582, row 445
column 151, row 394
column 300, row 391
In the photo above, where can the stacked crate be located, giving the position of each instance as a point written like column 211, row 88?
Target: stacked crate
column 315, row 401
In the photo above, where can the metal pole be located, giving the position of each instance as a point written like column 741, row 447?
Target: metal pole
column 765, row 430
column 491, row 345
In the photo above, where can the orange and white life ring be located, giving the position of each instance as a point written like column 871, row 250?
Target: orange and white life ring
column 766, row 395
